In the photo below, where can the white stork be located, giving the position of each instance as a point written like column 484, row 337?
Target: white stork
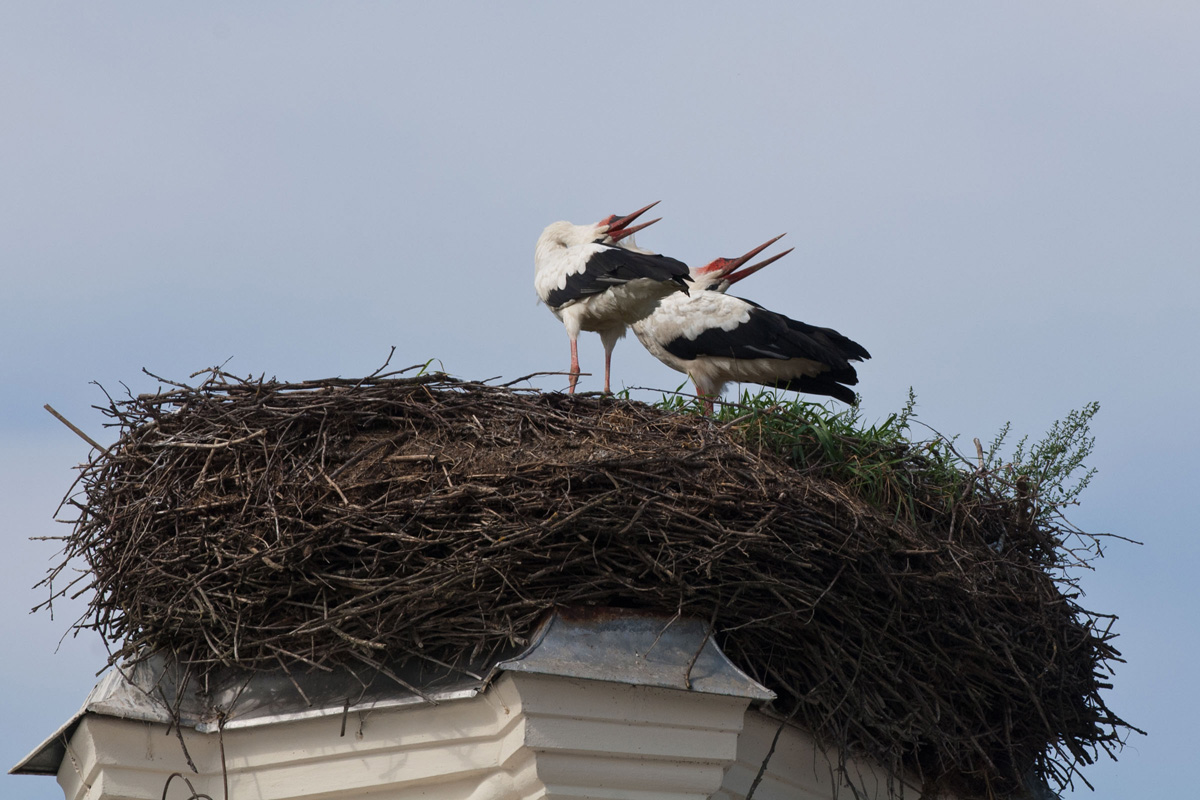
column 715, row 338
column 591, row 283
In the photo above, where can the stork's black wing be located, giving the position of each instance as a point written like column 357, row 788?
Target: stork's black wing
column 767, row 334
column 605, row 267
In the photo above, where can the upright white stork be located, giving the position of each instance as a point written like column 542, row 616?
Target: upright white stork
column 591, row 283
column 715, row 338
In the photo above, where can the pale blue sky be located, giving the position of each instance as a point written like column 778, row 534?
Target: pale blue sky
column 1000, row 202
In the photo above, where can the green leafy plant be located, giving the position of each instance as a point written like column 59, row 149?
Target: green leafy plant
column 1049, row 464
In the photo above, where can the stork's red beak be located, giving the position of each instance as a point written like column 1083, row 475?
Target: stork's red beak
column 753, row 268
column 617, row 224
column 723, row 266
column 737, row 262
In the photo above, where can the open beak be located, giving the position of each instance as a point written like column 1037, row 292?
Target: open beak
column 733, row 278
column 721, row 267
column 617, row 224
column 737, row 262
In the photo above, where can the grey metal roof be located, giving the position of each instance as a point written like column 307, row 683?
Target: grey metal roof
column 639, row 649
column 614, row 645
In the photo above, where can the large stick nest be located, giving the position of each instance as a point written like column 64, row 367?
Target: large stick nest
column 263, row 525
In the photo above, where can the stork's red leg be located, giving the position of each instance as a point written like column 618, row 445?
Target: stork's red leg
column 607, row 368
column 574, row 366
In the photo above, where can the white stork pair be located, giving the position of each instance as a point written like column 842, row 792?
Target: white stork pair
column 594, row 278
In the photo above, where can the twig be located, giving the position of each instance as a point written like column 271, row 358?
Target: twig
column 536, row 374
column 77, row 431
column 762, row 768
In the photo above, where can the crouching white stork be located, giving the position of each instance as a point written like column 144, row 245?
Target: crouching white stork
column 715, row 338
column 591, row 283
